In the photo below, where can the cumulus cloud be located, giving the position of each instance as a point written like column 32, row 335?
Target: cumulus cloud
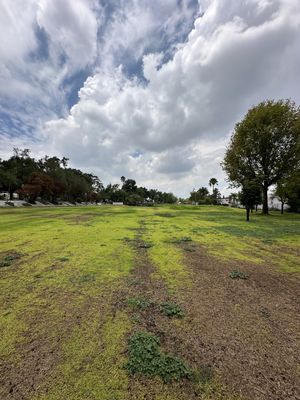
column 168, row 124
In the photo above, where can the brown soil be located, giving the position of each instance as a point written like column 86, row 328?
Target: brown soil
column 38, row 350
column 246, row 330
column 143, row 284
column 32, row 367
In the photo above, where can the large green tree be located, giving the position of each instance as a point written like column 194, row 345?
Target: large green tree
column 265, row 146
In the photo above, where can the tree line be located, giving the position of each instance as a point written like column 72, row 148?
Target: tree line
column 51, row 179
column 202, row 195
column 264, row 151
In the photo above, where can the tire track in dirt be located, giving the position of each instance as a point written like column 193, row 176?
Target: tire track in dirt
column 144, row 283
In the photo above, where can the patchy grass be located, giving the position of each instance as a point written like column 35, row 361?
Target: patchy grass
column 9, row 259
column 139, row 303
column 64, row 275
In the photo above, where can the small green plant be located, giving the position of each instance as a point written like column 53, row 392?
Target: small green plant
column 236, row 274
column 9, row 259
column 139, row 302
column 145, row 245
column 171, row 310
column 63, row 259
column 186, row 239
column 136, row 318
column 87, row 278
column 183, row 239
column 189, row 249
column 146, row 358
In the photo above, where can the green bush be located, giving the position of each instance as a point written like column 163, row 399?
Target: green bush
column 139, row 302
column 146, row 358
column 171, row 310
column 236, row 274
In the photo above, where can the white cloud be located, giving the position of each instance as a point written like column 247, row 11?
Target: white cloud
column 72, row 30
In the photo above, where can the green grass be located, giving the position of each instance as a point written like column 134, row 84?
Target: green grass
column 77, row 259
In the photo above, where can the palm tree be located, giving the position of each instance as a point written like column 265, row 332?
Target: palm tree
column 212, row 182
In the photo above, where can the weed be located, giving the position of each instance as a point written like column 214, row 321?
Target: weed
column 145, row 245
column 165, row 215
column 9, row 259
column 63, row 259
column 136, row 318
column 171, row 310
column 133, row 282
column 87, row 278
column 139, row 302
column 190, row 249
column 236, row 274
column 146, row 358
column 183, row 239
column 83, row 278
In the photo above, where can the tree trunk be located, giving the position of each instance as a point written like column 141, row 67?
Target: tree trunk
column 248, row 213
column 282, row 204
column 265, row 209
column 255, row 207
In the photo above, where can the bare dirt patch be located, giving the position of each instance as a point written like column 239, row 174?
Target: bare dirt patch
column 39, row 350
column 246, row 330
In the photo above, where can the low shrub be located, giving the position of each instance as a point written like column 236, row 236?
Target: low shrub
column 139, row 302
column 146, row 358
column 171, row 310
column 236, row 274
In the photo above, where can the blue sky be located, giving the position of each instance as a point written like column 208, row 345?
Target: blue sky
column 149, row 90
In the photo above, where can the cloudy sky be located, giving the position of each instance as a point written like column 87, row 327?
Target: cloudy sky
column 146, row 89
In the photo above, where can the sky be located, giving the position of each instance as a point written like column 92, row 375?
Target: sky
column 150, row 90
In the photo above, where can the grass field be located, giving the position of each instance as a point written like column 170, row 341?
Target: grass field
column 116, row 303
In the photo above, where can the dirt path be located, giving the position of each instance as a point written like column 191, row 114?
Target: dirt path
column 246, row 330
column 144, row 284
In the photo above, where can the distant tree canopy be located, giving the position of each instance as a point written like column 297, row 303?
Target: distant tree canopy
column 202, row 196
column 288, row 191
column 52, row 180
column 265, row 146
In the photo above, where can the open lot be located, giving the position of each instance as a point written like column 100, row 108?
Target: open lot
column 88, row 293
